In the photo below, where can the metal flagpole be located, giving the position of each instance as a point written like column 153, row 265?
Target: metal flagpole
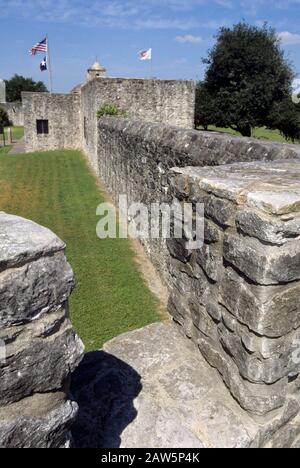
column 49, row 65
column 151, row 64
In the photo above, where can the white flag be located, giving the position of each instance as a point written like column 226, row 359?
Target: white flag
column 146, row 54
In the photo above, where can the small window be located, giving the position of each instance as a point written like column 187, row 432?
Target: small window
column 42, row 127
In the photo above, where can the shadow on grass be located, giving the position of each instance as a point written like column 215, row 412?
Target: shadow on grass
column 104, row 388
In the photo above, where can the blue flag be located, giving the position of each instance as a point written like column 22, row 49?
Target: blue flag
column 43, row 65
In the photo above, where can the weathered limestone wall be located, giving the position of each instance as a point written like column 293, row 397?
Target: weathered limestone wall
column 38, row 347
column 62, row 111
column 15, row 113
column 134, row 158
column 2, row 92
column 238, row 296
column 73, row 117
column 166, row 101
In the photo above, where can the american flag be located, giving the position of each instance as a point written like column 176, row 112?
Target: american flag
column 40, row 47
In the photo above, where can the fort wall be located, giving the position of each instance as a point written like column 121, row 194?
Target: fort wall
column 134, row 159
column 61, row 111
column 38, row 346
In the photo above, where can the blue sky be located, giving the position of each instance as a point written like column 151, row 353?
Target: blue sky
column 179, row 31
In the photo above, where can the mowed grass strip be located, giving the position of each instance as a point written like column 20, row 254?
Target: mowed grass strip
column 262, row 133
column 56, row 189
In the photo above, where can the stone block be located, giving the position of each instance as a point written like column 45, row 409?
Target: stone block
column 220, row 210
column 209, row 257
column 266, row 228
column 272, row 311
column 40, row 421
column 256, row 399
column 39, row 357
column 34, row 289
column 177, row 248
column 251, row 366
column 202, row 320
column 260, row 263
column 286, row 436
column 212, row 233
column 23, row 241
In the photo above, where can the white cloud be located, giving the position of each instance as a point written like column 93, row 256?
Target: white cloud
column 224, row 3
column 289, row 38
column 189, row 38
column 125, row 14
column 181, row 15
column 162, row 23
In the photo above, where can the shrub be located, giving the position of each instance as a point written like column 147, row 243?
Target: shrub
column 4, row 120
column 111, row 109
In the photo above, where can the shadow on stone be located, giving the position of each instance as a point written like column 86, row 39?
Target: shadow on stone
column 104, row 388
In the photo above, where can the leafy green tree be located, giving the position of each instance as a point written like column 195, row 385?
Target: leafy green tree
column 4, row 120
column 205, row 109
column 247, row 75
column 17, row 84
column 285, row 116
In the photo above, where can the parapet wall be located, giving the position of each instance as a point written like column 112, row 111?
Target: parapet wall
column 73, row 117
column 38, row 347
column 134, row 159
column 167, row 101
column 62, row 112
column 237, row 297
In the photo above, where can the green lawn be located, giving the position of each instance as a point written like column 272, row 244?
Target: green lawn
column 17, row 132
column 4, row 150
column 260, row 133
column 57, row 190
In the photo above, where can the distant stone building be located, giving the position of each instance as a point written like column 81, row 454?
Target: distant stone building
column 58, row 121
column 96, row 71
column 14, row 109
column 2, row 92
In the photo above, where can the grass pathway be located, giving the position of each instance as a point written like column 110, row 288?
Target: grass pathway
column 56, row 189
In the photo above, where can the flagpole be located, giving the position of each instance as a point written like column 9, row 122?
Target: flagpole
column 49, row 65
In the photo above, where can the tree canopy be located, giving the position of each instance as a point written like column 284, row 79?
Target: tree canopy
column 248, row 83
column 18, row 83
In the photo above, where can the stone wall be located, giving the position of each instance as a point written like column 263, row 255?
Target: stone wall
column 73, row 117
column 15, row 113
column 134, row 158
column 62, row 112
column 2, row 92
column 238, row 296
column 38, row 347
column 166, row 101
